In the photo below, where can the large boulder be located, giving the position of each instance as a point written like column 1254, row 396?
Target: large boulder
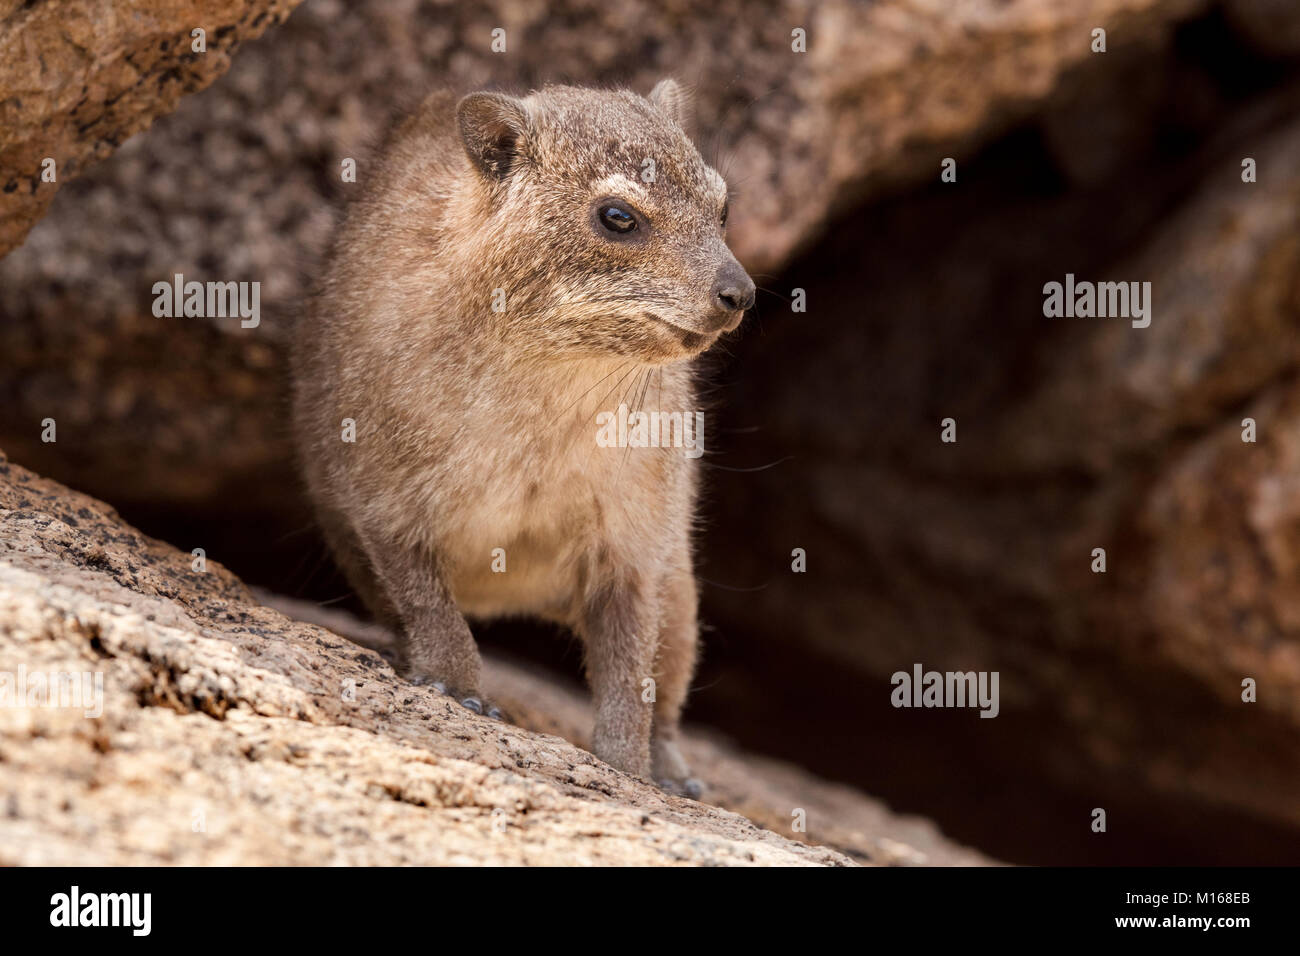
column 214, row 730
column 77, row 79
column 1072, row 435
column 241, row 184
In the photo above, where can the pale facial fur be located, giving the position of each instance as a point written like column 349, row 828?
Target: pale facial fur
column 475, row 426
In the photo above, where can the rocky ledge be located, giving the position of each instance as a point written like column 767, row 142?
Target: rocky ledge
column 213, row 729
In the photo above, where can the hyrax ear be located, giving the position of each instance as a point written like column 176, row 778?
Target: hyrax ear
column 492, row 128
column 673, row 101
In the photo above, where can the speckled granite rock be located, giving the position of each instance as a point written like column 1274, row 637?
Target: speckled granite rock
column 78, row 78
column 1073, row 434
column 229, row 734
column 241, row 183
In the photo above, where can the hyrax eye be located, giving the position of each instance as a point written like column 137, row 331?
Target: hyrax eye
column 722, row 219
column 617, row 219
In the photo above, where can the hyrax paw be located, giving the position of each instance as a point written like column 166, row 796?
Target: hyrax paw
column 484, row 707
column 468, row 701
column 670, row 768
column 691, row 787
column 424, row 680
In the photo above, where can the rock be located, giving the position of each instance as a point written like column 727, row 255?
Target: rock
column 78, row 79
column 228, row 734
column 241, row 185
column 1073, row 434
column 1271, row 24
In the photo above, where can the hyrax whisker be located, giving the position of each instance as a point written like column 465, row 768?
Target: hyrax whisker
column 586, row 391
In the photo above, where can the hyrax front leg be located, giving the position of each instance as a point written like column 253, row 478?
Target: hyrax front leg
column 620, row 629
column 674, row 667
column 436, row 643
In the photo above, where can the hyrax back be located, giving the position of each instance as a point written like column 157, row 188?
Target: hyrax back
column 514, row 268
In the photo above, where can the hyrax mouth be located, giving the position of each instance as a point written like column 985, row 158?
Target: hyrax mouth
column 696, row 341
column 690, row 340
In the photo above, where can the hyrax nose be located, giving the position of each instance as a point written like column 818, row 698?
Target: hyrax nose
column 733, row 289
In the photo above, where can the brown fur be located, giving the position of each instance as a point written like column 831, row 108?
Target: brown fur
column 477, row 429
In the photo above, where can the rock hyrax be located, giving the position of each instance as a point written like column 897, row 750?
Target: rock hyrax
column 513, row 267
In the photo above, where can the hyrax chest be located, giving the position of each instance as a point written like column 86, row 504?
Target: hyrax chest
column 545, row 496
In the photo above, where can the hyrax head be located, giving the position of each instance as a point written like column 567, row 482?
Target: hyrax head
column 603, row 221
